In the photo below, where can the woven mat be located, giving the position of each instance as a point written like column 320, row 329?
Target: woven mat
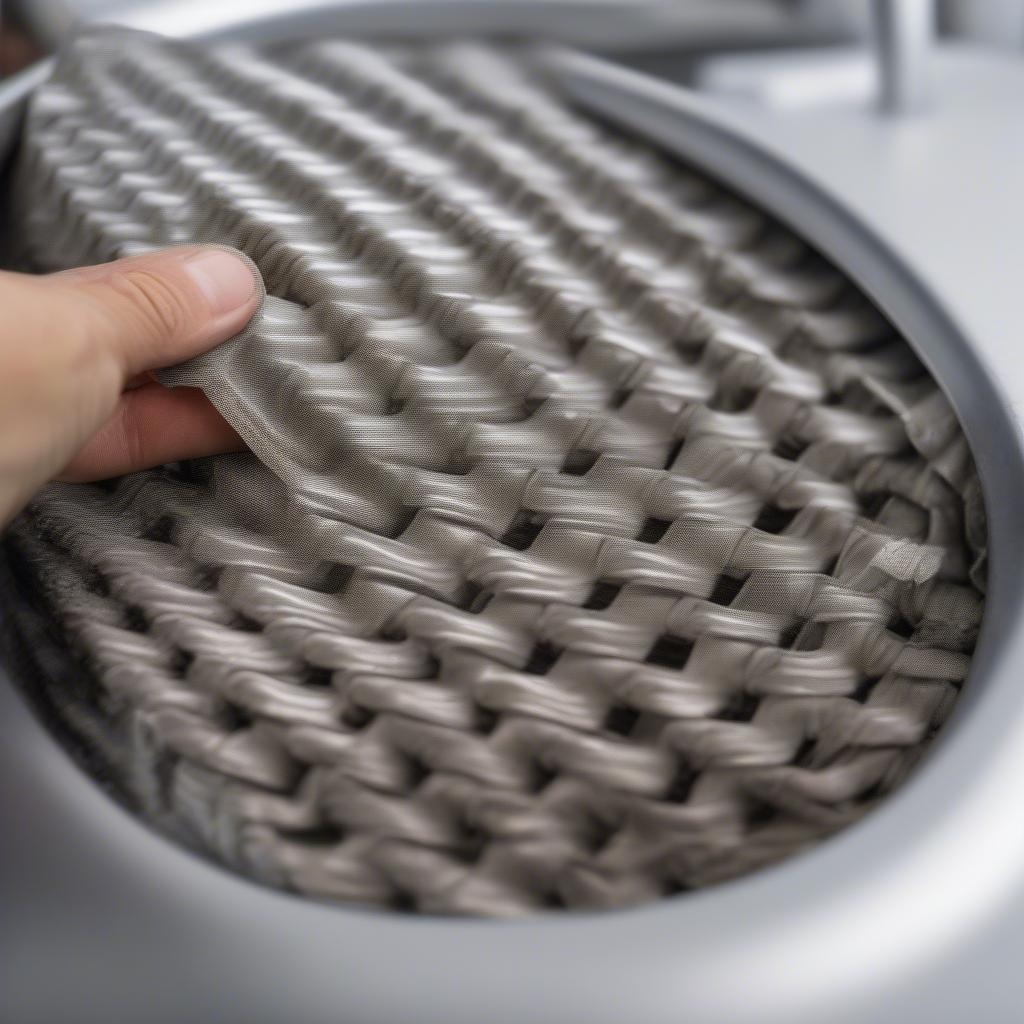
column 600, row 540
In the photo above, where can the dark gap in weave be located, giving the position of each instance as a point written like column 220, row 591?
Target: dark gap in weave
column 471, row 846
column 859, row 398
column 245, row 624
column 906, row 451
column 404, row 521
column 688, row 351
column 481, row 599
column 418, row 771
column 542, row 778
column 467, row 596
column 872, row 793
column 789, row 447
column 902, row 627
column 732, row 400
column 804, row 753
column 457, row 464
column 134, row 618
column 207, row 577
column 181, row 661
column 188, row 471
column 335, row 579
column 531, row 403
column 485, row 721
column 678, row 791
column 324, row 835
column 235, row 717
column 673, row 452
column 773, row 519
column 523, row 530
column 619, row 398
column 553, row 900
column 759, row 812
column 871, row 504
column 811, row 636
column 581, row 333
column 403, row 902
column 602, row 595
column 670, row 651
column 355, row 716
column 542, row 657
column 316, row 678
column 579, row 461
column 598, row 835
column 740, row 707
column 620, row 719
column 95, row 582
column 864, row 689
column 789, row 634
column 726, row 589
column 653, row 530
column 673, row 887
column 577, row 340
column 160, row 530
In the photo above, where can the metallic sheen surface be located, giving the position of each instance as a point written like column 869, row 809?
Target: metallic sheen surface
column 601, row 541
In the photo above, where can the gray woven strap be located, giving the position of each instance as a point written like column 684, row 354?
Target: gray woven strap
column 600, row 541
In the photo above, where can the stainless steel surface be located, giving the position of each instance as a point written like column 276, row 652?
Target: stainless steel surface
column 619, row 23
column 904, row 31
column 995, row 23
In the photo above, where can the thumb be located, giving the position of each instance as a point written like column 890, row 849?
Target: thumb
column 151, row 311
column 69, row 342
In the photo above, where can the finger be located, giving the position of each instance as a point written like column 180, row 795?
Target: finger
column 162, row 308
column 70, row 342
column 153, row 425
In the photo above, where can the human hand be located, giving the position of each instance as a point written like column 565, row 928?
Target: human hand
column 76, row 348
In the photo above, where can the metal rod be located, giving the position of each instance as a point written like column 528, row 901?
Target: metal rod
column 903, row 38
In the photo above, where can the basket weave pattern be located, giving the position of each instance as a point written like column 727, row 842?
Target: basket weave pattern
column 600, row 541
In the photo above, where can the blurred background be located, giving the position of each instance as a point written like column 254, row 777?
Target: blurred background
column 657, row 34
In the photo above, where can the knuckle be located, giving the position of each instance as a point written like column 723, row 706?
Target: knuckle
column 159, row 305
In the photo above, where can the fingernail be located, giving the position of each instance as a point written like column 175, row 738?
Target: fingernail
column 226, row 279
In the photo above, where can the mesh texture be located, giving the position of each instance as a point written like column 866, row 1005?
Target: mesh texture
column 600, row 540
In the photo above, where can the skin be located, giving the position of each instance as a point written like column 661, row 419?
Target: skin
column 77, row 397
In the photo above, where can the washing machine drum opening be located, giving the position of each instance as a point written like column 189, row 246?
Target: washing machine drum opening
column 599, row 541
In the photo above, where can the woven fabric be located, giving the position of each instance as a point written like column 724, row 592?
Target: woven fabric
column 600, row 540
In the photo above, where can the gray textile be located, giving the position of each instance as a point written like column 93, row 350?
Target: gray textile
column 600, row 541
